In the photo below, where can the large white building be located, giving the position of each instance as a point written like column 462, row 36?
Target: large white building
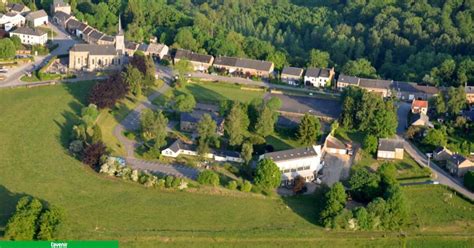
column 30, row 36
column 304, row 162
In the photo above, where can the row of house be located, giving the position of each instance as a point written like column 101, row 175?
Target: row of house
column 456, row 164
column 386, row 88
column 237, row 66
column 18, row 15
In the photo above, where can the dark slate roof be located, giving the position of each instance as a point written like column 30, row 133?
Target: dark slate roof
column 325, row 72
column 312, row 72
column 96, row 35
column 292, row 71
column 440, row 149
column 375, row 83
column 390, row 144
column 191, row 56
column 348, row 79
column 18, row 7
column 414, row 88
column 291, row 154
column 179, row 145
column 29, row 31
column 131, row 45
column 225, row 153
column 457, row 159
column 75, row 24
column 108, row 38
column 62, row 16
column 469, row 89
column 258, row 65
column 88, row 30
column 95, row 49
column 36, row 14
column 196, row 116
column 59, row 3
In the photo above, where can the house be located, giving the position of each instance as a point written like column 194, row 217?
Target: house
column 421, row 120
column 17, row 8
column 335, row 146
column 200, row 62
column 344, row 81
column 11, row 20
column 189, row 121
column 94, row 37
column 442, row 154
column 319, row 77
column 378, row 86
column 30, row 36
column 469, row 94
column 60, row 5
column 75, row 27
column 61, row 18
column 304, row 162
column 419, row 106
column 291, row 75
column 244, row 67
column 390, row 149
column 409, row 91
column 37, row 18
column 154, row 49
column 180, row 148
column 458, row 165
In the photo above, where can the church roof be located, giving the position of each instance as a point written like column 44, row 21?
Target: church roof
column 95, row 49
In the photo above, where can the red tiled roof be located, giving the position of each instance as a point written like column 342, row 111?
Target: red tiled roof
column 419, row 104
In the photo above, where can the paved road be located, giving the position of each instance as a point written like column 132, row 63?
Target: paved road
column 440, row 175
column 132, row 122
column 403, row 109
column 64, row 41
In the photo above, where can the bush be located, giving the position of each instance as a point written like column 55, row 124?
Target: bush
column 469, row 180
column 268, row 174
column 169, row 181
column 232, row 185
column 160, row 183
column 245, row 186
column 92, row 155
column 208, row 177
column 176, row 182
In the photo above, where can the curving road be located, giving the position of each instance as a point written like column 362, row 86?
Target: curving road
column 132, row 122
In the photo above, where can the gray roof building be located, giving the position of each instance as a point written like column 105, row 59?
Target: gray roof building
column 313, row 72
column 96, row 35
column 292, row 71
column 258, row 65
column 390, row 144
column 179, row 145
column 17, row 7
column 348, row 79
column 191, row 56
column 61, row 16
column 93, row 49
column 29, row 31
column 107, row 38
column 414, row 88
column 292, row 154
column 36, row 14
column 196, row 116
column 375, row 83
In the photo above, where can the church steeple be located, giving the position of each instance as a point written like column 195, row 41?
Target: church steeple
column 120, row 38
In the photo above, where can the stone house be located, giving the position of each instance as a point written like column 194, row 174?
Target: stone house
column 200, row 62
column 292, row 75
column 458, row 165
column 244, row 67
column 409, row 91
column 37, row 18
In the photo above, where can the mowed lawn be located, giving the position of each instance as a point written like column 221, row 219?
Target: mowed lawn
column 34, row 129
column 215, row 92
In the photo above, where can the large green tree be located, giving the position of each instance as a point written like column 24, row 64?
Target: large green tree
column 267, row 174
column 334, row 202
column 207, row 131
column 309, row 129
column 318, row 59
column 236, row 124
column 184, row 103
column 360, row 68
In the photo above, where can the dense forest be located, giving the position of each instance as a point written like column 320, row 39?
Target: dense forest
column 429, row 41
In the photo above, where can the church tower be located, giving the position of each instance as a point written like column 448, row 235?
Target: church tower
column 120, row 38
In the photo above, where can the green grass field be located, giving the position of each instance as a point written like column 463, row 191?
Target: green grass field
column 34, row 129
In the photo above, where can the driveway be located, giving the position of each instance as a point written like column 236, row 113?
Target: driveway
column 403, row 109
column 336, row 168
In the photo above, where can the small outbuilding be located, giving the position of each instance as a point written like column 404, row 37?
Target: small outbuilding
column 390, row 149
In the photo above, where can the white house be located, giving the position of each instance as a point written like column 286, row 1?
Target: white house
column 304, row 162
column 37, row 18
column 335, row 146
column 30, row 36
column 180, row 148
column 319, row 77
column 10, row 20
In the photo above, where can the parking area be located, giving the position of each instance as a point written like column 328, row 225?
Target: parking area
column 336, row 168
column 316, row 106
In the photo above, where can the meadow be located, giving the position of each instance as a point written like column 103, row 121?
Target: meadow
column 35, row 127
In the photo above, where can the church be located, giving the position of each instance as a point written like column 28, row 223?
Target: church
column 91, row 57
